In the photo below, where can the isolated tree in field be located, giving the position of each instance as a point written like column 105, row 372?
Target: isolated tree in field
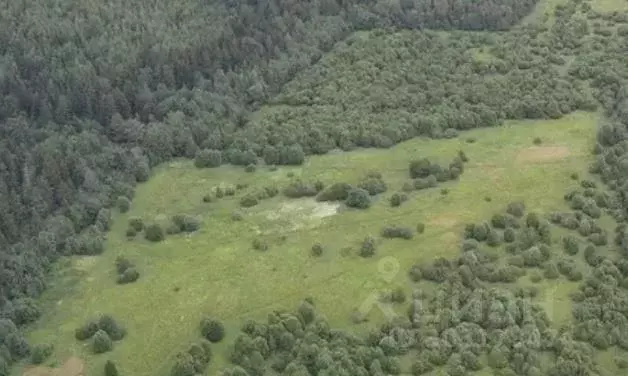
column 212, row 329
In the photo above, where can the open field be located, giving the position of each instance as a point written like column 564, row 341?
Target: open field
column 216, row 271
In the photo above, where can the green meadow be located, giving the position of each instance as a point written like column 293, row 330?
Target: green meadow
column 216, row 271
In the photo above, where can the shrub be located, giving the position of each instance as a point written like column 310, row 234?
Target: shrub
column 317, row 249
column 498, row 221
column 397, row 232
column 536, row 277
column 462, row 156
column 40, row 353
column 373, row 185
column 444, row 191
column 574, row 176
column 248, row 201
column 319, row 186
column 509, row 235
column 111, row 327
column 367, row 249
column 130, row 232
column 398, row 295
column 208, row 198
column 208, row 158
column 219, row 192
column 298, row 189
column 488, row 199
column 136, row 223
column 250, row 168
column 101, row 342
column 237, row 216
column 122, row 264
column 230, row 191
column 130, row 275
column 420, row 168
column 260, row 245
column 408, row 186
column 123, row 204
column 598, row 239
column 86, row 331
column 415, row 273
column 571, row 246
column 493, row 238
column 537, row 141
column 212, row 329
column 154, row 233
column 271, row 191
column 397, row 199
column 585, row 183
column 591, row 257
column 358, row 198
column 532, row 220
column 480, row 231
column 469, row 244
column 185, row 223
column 335, row 192
column 532, row 257
column 516, row 208
column 110, row 368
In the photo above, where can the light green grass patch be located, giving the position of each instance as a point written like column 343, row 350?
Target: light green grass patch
column 217, row 272
column 609, row 6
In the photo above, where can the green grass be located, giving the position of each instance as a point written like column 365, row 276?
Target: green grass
column 217, row 272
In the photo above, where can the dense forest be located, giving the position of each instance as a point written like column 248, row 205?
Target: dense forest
column 93, row 96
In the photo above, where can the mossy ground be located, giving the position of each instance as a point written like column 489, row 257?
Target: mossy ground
column 215, row 270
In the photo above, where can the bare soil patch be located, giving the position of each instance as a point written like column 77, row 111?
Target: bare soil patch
column 446, row 220
column 73, row 366
column 542, row 153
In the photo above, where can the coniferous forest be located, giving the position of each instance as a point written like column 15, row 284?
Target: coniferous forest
column 94, row 95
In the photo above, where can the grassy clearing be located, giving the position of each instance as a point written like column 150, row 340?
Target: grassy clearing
column 216, row 271
column 609, row 6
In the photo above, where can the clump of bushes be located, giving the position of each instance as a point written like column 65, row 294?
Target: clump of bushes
column 367, row 248
column 126, row 271
column 208, row 198
column 373, row 183
column 335, row 192
column 397, row 232
column 358, row 198
column 212, row 329
column 537, row 141
column 397, row 199
column 250, row 168
column 571, row 245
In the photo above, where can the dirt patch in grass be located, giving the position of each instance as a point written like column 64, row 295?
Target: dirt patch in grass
column 73, row 366
column 447, row 221
column 542, row 154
